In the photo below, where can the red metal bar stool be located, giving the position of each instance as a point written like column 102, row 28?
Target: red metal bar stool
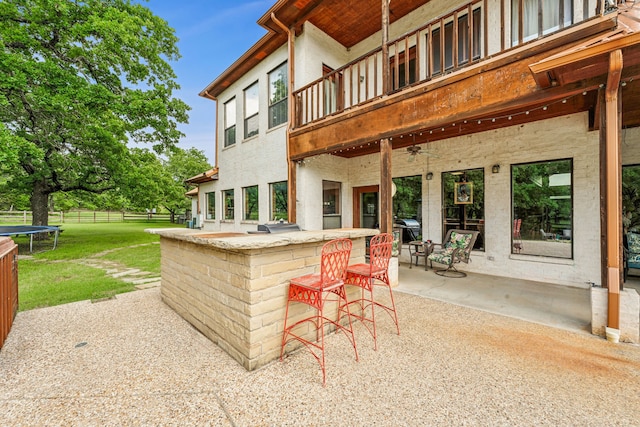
column 367, row 276
column 316, row 290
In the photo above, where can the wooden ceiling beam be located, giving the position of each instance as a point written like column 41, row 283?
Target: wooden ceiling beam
column 474, row 125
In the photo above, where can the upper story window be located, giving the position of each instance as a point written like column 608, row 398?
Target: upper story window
column 211, row 205
column 230, row 122
column 227, row 204
column 279, row 201
column 332, row 90
column 467, row 40
column 469, row 37
column 538, row 17
column 403, row 66
column 251, row 106
column 278, row 93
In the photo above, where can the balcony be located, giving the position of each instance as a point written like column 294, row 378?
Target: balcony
column 462, row 44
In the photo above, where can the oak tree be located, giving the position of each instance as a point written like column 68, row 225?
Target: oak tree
column 79, row 80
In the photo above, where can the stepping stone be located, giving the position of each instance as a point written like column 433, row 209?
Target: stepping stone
column 147, row 280
column 126, row 272
column 148, row 285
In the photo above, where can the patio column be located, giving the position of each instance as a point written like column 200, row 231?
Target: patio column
column 613, row 187
column 386, row 217
column 385, row 46
column 386, row 214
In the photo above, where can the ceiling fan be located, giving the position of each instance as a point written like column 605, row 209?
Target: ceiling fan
column 415, row 150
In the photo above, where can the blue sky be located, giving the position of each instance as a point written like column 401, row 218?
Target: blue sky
column 213, row 34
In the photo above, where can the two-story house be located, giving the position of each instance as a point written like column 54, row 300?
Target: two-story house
column 511, row 117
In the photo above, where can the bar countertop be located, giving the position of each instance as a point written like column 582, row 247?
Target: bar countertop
column 245, row 241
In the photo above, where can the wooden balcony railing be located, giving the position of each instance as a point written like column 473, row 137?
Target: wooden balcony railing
column 8, row 286
column 452, row 41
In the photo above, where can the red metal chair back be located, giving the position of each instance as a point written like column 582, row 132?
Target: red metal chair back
column 517, row 223
column 334, row 261
column 380, row 249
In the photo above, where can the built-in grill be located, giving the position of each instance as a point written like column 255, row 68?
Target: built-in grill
column 410, row 229
column 278, row 227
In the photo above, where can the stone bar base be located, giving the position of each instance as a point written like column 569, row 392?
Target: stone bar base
column 233, row 287
column 394, row 272
column 629, row 314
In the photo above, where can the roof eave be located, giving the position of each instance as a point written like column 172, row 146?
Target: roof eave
column 208, row 176
column 252, row 57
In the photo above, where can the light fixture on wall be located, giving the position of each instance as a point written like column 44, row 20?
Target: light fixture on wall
column 495, row 168
column 429, row 176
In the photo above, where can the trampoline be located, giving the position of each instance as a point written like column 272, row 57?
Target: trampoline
column 30, row 230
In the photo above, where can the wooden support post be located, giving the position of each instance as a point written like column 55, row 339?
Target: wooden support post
column 386, row 213
column 602, row 128
column 614, row 187
column 385, row 47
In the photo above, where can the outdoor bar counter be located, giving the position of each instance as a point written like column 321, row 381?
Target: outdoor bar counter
column 232, row 287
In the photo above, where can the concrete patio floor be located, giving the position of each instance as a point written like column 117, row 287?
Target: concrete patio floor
column 133, row 361
column 548, row 304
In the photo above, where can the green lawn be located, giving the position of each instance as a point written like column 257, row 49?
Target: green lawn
column 53, row 277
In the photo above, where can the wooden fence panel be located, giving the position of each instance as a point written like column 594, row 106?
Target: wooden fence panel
column 8, row 286
column 81, row 216
column 26, row 217
column 146, row 216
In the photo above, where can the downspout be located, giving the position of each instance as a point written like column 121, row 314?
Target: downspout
column 215, row 147
column 613, row 182
column 291, row 167
column 215, row 139
column 215, row 144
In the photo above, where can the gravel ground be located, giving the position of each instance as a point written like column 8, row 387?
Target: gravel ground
column 132, row 361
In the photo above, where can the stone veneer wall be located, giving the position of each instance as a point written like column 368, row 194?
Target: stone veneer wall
column 237, row 298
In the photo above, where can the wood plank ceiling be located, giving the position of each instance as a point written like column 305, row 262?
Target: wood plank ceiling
column 347, row 21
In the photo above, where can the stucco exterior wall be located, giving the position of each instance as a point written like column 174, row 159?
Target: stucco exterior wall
column 311, row 173
column 259, row 160
column 314, row 49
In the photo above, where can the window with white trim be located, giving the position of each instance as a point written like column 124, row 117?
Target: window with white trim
column 251, row 205
column 279, row 201
column 211, row 205
column 251, row 106
column 555, row 14
column 230, row 122
column 227, row 205
column 278, row 95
